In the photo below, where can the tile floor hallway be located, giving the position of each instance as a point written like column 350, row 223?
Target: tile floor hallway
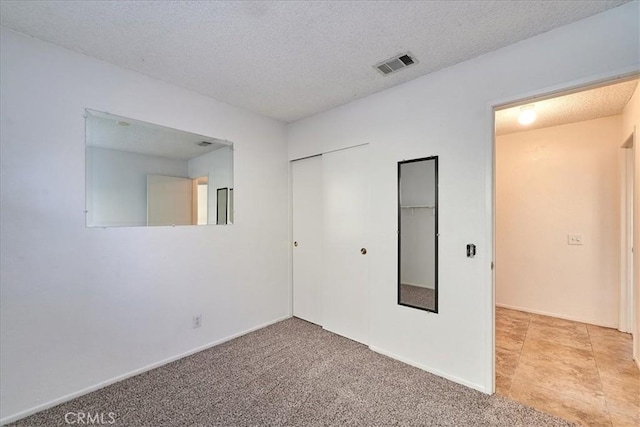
column 579, row 372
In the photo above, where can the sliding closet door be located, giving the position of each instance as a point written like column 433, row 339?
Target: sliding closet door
column 307, row 238
column 345, row 301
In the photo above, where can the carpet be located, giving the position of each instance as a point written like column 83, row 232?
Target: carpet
column 417, row 296
column 292, row 373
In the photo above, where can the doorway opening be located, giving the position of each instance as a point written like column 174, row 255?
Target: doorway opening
column 566, row 301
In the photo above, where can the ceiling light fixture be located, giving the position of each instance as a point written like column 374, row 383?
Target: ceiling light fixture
column 527, row 115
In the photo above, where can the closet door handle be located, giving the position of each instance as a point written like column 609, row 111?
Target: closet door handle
column 295, row 244
column 363, row 251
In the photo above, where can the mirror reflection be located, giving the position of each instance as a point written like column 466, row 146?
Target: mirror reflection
column 418, row 233
column 141, row 174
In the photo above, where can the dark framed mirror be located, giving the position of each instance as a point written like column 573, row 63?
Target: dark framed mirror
column 418, row 233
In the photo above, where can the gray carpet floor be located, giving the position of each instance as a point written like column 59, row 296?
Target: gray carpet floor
column 293, row 373
column 417, row 296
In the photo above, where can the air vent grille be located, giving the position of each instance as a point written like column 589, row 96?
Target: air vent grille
column 395, row 63
column 384, row 68
column 406, row 60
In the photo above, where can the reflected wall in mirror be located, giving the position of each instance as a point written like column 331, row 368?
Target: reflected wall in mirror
column 418, row 233
column 142, row 174
column 222, row 206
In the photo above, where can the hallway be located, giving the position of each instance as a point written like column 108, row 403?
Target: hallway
column 579, row 372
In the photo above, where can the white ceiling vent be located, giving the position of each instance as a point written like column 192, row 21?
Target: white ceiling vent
column 396, row 63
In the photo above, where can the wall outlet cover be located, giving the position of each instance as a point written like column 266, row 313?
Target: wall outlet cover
column 574, row 239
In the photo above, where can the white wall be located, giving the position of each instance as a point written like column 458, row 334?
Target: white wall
column 449, row 113
column 550, row 183
column 217, row 165
column 417, row 263
column 117, row 185
column 79, row 305
column 631, row 122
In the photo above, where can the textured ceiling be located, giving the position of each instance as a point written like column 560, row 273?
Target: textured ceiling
column 107, row 131
column 576, row 107
column 287, row 60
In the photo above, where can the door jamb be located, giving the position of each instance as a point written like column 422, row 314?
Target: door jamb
column 626, row 309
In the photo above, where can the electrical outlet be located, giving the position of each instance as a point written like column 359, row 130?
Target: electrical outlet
column 574, row 239
column 197, row 321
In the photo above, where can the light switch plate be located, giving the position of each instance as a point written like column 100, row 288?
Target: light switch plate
column 574, row 239
column 197, row 321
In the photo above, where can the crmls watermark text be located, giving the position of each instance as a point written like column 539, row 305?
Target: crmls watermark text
column 88, row 418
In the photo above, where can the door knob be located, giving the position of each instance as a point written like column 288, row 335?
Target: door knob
column 295, row 244
column 363, row 251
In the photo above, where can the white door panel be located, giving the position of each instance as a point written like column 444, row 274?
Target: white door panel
column 307, row 235
column 345, row 293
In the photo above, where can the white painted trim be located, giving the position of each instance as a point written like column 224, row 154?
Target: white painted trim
column 624, row 227
column 559, row 316
column 626, row 309
column 71, row 396
column 430, row 370
column 490, row 212
column 290, row 236
column 634, row 307
column 566, row 88
column 635, row 288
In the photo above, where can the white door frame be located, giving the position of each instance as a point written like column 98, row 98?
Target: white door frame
column 490, row 161
column 627, row 307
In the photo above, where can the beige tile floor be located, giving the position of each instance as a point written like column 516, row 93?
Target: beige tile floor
column 582, row 373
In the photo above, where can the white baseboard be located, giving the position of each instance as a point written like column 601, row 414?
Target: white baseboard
column 430, row 370
column 559, row 316
column 71, row 396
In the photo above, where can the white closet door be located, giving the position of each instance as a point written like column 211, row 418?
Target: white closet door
column 345, row 299
column 307, row 237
